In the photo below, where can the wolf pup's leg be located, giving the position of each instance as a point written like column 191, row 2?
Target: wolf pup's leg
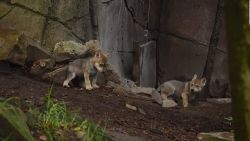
column 70, row 76
column 94, row 82
column 164, row 95
column 184, row 99
column 87, row 81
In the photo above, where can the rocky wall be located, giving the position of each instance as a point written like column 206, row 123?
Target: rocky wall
column 115, row 33
column 184, row 37
column 181, row 30
column 48, row 21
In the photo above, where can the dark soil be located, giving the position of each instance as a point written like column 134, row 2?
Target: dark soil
column 108, row 109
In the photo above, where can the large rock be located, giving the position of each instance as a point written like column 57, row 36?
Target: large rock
column 73, row 22
column 26, row 21
column 56, row 32
column 116, row 35
column 49, row 21
column 19, row 48
column 76, row 15
column 35, row 52
column 42, row 66
column 4, row 9
column 219, row 84
column 168, row 103
column 8, row 39
column 110, row 74
column 142, row 90
column 40, row 6
column 219, row 87
column 68, row 10
column 25, row 50
column 70, row 50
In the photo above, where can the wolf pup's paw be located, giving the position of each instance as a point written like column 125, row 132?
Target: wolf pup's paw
column 96, row 86
column 66, row 85
column 185, row 106
column 89, row 88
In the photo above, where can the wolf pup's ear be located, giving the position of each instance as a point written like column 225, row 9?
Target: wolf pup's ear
column 106, row 55
column 203, row 81
column 98, row 54
column 195, row 77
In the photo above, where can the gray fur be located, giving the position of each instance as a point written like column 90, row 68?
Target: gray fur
column 75, row 69
column 174, row 87
column 178, row 90
column 78, row 65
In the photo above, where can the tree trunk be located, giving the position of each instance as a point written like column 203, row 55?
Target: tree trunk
column 238, row 33
column 208, row 70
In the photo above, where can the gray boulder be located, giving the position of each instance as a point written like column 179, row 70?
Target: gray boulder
column 42, row 65
column 19, row 48
column 167, row 103
column 8, row 40
column 66, row 50
column 144, row 90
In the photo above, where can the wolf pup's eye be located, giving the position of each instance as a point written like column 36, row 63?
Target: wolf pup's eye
column 101, row 65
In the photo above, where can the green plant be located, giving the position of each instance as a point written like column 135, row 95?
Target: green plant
column 15, row 122
column 55, row 120
column 8, row 138
column 93, row 132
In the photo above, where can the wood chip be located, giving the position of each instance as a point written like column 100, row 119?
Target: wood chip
column 131, row 107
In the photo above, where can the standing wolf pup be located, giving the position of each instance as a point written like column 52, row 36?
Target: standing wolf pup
column 88, row 68
column 181, row 90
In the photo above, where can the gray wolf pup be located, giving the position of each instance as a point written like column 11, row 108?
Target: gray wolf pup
column 88, row 68
column 178, row 89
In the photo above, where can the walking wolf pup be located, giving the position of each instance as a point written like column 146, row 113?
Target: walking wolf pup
column 178, row 89
column 88, row 68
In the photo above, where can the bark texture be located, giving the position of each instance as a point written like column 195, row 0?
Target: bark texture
column 238, row 33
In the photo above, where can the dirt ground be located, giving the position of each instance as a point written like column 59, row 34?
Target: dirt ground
column 108, row 109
